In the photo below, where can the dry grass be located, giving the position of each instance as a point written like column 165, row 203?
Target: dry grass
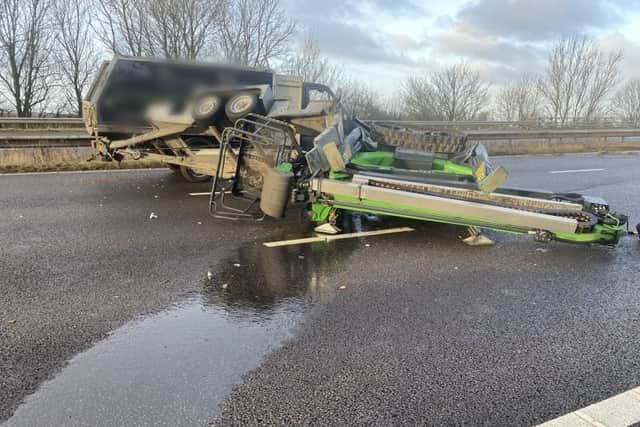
column 581, row 145
column 56, row 159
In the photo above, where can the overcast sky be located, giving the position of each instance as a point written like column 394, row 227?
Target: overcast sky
column 383, row 41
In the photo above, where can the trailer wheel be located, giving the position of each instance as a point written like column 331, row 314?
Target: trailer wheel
column 192, row 176
column 241, row 105
column 206, row 107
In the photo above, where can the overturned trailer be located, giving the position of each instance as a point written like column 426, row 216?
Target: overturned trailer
column 174, row 112
column 273, row 145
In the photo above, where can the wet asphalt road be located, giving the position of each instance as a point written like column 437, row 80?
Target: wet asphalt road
column 426, row 330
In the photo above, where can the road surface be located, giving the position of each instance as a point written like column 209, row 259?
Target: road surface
column 109, row 317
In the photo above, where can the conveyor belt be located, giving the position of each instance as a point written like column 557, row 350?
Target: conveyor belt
column 586, row 220
column 410, row 203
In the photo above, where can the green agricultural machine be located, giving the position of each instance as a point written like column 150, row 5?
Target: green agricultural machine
column 351, row 168
column 270, row 141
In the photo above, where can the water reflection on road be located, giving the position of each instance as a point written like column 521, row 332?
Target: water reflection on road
column 176, row 366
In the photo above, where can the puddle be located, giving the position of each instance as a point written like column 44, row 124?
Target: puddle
column 176, row 367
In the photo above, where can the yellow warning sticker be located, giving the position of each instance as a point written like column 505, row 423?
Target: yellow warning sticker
column 481, row 171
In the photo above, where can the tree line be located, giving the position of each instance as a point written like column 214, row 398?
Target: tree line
column 50, row 51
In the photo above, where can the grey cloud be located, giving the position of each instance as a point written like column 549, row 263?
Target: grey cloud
column 341, row 29
column 482, row 46
column 538, row 20
column 354, row 43
column 351, row 9
column 502, row 58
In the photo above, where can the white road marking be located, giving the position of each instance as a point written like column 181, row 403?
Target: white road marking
column 621, row 410
column 578, row 171
column 82, row 172
column 208, row 193
column 329, row 238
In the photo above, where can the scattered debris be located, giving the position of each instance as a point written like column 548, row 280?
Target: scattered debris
column 542, row 250
column 366, row 245
column 209, row 275
column 199, row 222
column 342, row 287
column 236, row 265
column 153, row 216
column 12, row 321
column 327, row 228
column 156, row 196
column 225, row 285
column 300, row 256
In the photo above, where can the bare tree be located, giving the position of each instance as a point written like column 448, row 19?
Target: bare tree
column 75, row 52
column 183, row 28
column 455, row 93
column 123, row 26
column 254, row 32
column 418, row 97
column 175, row 29
column 24, row 53
column 626, row 102
column 519, row 101
column 578, row 78
column 309, row 63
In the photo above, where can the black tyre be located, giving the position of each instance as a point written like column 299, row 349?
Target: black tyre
column 241, row 105
column 420, row 141
column 207, row 107
column 192, row 176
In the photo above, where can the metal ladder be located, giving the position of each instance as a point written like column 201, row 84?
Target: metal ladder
column 254, row 139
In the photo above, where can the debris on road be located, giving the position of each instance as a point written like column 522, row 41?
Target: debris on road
column 153, row 216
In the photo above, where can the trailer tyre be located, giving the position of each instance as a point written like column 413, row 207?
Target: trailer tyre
column 207, row 107
column 241, row 105
column 192, row 176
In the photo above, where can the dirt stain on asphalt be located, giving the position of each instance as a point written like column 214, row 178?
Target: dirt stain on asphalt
column 176, row 366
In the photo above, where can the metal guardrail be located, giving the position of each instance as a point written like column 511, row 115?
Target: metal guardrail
column 540, row 123
column 69, row 132
column 40, row 123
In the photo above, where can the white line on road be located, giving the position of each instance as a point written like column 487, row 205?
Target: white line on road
column 621, row 410
column 337, row 237
column 578, row 171
column 208, row 193
column 81, row 172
